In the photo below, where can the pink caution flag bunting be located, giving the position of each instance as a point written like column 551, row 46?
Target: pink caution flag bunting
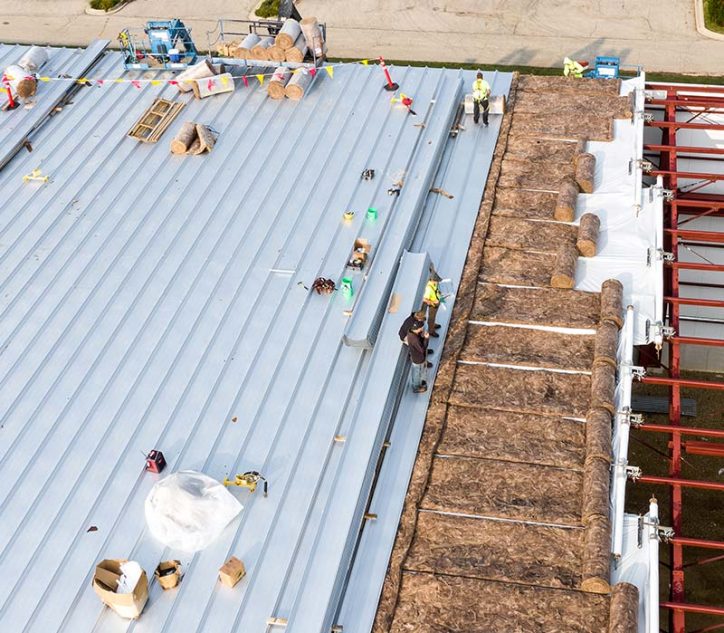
column 245, row 80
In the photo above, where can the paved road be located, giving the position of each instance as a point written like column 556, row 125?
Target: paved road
column 658, row 34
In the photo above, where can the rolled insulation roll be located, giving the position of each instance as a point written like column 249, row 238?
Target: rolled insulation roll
column 259, row 50
column 603, row 386
column 278, row 81
column 298, row 85
column 598, row 435
column 588, row 234
column 624, row 609
column 596, row 482
column 565, row 209
column 187, row 78
column 585, row 165
column 184, row 138
column 288, row 34
column 564, row 268
column 596, row 563
column 612, row 302
column 313, row 36
column 248, row 43
column 297, row 52
column 276, row 53
column 33, row 59
column 606, row 344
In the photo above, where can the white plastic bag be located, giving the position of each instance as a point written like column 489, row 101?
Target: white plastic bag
column 187, row 510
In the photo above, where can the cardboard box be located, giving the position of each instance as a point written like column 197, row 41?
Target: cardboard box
column 105, row 582
column 168, row 573
column 231, row 572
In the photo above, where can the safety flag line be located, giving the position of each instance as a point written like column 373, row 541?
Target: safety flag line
column 138, row 83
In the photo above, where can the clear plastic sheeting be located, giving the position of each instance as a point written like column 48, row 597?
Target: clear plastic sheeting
column 188, row 510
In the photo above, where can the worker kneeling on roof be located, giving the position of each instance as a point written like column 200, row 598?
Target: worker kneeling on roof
column 573, row 68
column 481, row 94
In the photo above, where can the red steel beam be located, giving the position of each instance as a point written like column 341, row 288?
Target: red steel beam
column 684, row 430
column 703, row 236
column 692, row 608
column 684, row 149
column 678, row 481
column 682, row 382
column 686, row 174
column 714, row 268
column 697, row 542
column 686, row 102
column 677, row 89
column 693, row 301
column 695, row 203
column 694, row 340
column 679, row 125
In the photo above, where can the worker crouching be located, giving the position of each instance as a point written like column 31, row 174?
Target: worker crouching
column 416, row 340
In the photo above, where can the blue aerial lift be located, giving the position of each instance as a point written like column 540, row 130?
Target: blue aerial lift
column 605, row 68
column 167, row 44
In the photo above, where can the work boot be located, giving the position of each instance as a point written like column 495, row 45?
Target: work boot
column 437, row 326
column 429, row 364
column 430, row 351
column 421, row 389
column 434, row 335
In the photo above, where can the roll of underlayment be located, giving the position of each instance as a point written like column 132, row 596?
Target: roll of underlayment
column 606, row 344
column 598, row 434
column 585, row 165
column 259, row 51
column 596, row 481
column 298, row 85
column 34, row 59
column 313, row 36
column 612, row 302
column 564, row 267
column 603, row 387
column 596, row 563
column 297, row 52
column 565, row 209
column 623, row 612
column 288, row 34
column 588, row 234
column 278, row 81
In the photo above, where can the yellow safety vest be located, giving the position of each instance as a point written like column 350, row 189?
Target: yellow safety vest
column 481, row 89
column 432, row 294
column 571, row 67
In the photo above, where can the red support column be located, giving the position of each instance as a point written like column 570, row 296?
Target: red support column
column 680, row 209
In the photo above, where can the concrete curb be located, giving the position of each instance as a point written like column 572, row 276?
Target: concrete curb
column 116, row 9
column 701, row 24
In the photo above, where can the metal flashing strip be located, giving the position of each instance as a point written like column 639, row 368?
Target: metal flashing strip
column 425, row 159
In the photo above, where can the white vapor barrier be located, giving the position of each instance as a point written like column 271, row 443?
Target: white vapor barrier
column 621, row 428
column 630, row 243
column 639, row 565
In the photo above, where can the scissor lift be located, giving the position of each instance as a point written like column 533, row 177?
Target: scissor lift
column 167, row 44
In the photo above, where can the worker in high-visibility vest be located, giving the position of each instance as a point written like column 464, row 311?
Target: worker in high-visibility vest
column 431, row 301
column 481, row 95
column 573, row 68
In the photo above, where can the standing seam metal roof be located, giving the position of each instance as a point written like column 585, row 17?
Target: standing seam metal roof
column 148, row 299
